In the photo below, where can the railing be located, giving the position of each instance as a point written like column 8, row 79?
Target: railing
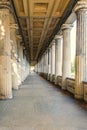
column 70, row 82
column 70, row 85
column 85, row 90
column 59, row 80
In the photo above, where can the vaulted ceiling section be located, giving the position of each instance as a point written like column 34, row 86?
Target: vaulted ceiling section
column 38, row 20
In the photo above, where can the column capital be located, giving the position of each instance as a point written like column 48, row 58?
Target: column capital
column 58, row 37
column 45, row 52
column 5, row 4
column 66, row 26
column 81, row 4
column 52, row 43
column 49, row 46
column 14, row 26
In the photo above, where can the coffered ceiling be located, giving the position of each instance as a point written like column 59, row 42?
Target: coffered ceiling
column 38, row 20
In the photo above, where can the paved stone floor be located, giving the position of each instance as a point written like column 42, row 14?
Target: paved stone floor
column 39, row 105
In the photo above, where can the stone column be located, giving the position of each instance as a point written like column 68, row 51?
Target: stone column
column 23, row 67
column 43, row 62
column 19, row 63
column 27, row 71
column 52, row 60
column 38, row 67
column 81, row 47
column 22, row 63
column 14, row 59
column 49, row 63
column 5, row 55
column 35, row 68
column 46, row 61
column 26, row 67
column 58, row 56
column 66, row 63
column 41, row 65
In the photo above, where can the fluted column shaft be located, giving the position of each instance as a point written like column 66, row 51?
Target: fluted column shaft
column 19, row 63
column 37, row 66
column 43, row 63
column 22, row 63
column 14, row 59
column 46, row 61
column 66, row 63
column 5, row 55
column 52, row 59
column 81, row 47
column 40, row 66
column 24, row 68
column 58, row 56
column 49, row 63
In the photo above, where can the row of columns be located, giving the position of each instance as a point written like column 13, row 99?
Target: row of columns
column 14, row 68
column 59, row 52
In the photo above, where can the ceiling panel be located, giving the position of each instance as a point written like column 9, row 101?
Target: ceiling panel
column 38, row 19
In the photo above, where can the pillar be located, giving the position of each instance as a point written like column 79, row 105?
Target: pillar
column 19, row 62
column 49, row 63
column 81, row 47
column 46, row 58
column 52, row 60
column 37, row 66
column 14, row 67
column 41, row 65
column 22, row 63
column 66, row 63
column 43, row 62
column 58, row 56
column 5, row 55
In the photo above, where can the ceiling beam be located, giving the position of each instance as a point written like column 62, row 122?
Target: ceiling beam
column 58, row 27
column 20, row 29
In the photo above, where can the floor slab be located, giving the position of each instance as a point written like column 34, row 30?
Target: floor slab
column 39, row 105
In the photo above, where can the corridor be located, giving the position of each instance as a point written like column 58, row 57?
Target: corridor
column 39, row 105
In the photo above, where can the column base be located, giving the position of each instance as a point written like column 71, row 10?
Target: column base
column 15, row 88
column 20, row 83
column 56, row 81
column 2, row 97
column 48, row 77
column 85, row 98
column 52, row 78
column 64, row 88
column 78, row 96
column 64, row 84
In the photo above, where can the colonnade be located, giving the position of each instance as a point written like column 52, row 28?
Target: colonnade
column 59, row 54
column 14, row 66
